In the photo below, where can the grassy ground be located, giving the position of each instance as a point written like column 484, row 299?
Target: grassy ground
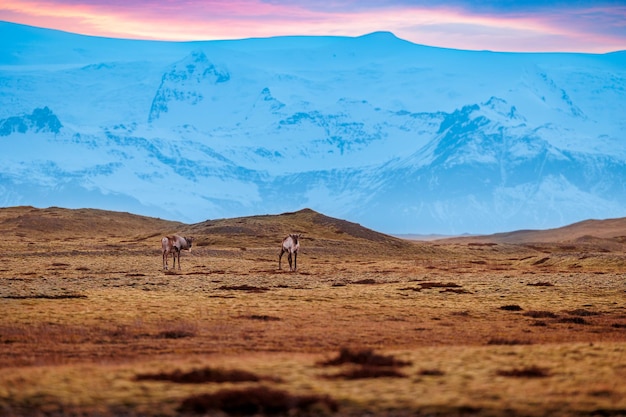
column 91, row 325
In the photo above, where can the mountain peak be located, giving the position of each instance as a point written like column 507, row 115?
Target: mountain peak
column 381, row 35
column 40, row 120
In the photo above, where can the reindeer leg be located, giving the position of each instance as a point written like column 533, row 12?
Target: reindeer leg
column 295, row 259
column 289, row 259
column 165, row 255
column 179, row 260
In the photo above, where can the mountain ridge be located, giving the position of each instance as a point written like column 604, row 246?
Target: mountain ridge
column 396, row 136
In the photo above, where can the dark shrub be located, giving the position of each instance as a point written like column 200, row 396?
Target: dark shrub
column 175, row 334
column 255, row 400
column 573, row 320
column 431, row 372
column 582, row 312
column 511, row 307
column 427, row 285
column 245, row 287
column 200, row 376
column 369, row 371
column 363, row 357
column 539, row 314
column 365, row 281
column 510, row 342
column 527, row 372
column 263, row 317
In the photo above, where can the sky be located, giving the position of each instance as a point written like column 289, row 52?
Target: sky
column 595, row 26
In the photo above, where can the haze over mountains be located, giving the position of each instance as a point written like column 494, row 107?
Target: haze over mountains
column 399, row 137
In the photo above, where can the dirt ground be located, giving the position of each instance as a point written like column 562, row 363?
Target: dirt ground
column 90, row 324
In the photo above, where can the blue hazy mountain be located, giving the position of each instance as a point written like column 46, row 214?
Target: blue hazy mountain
column 399, row 137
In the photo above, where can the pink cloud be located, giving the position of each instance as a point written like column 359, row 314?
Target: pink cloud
column 453, row 27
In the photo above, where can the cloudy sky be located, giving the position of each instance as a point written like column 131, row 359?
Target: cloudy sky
column 498, row 25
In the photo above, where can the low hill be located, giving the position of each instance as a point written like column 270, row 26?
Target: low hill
column 79, row 223
column 581, row 232
column 304, row 221
column 318, row 230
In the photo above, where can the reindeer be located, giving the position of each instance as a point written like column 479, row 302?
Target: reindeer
column 174, row 244
column 291, row 245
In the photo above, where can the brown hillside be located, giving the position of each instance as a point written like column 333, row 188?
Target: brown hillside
column 303, row 221
column 318, row 231
column 609, row 231
column 63, row 223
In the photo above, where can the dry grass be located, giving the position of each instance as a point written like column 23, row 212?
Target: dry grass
column 87, row 312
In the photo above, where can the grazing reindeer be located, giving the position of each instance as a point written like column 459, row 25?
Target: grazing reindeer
column 174, row 244
column 291, row 245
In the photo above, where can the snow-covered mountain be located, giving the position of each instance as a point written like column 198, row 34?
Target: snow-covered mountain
column 399, row 137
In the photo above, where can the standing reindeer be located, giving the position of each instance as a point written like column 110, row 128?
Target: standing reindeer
column 291, row 245
column 174, row 244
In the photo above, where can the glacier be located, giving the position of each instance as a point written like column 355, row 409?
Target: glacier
column 399, row 137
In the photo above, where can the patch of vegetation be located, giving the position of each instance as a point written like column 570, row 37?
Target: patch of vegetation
column 366, row 281
column 428, row 285
column 245, row 287
column 177, row 330
column 45, row 296
column 200, row 376
column 456, row 291
column 257, row 401
column 431, row 372
column 365, row 372
column 606, row 412
column 262, row 317
column 573, row 320
column 509, row 342
column 540, row 314
column 511, row 307
column 582, row 313
column 526, row 372
column 175, row 334
column 365, row 357
column 540, row 284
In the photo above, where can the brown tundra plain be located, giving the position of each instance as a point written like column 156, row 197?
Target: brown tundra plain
column 531, row 323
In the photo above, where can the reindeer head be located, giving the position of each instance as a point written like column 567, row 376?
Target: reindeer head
column 189, row 241
column 295, row 237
